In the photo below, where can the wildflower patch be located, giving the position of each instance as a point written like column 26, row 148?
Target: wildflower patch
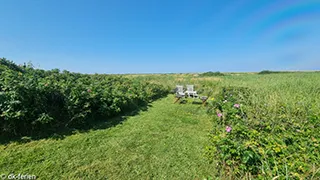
column 245, row 141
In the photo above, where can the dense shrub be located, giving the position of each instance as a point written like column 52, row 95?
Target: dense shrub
column 212, row 74
column 6, row 64
column 271, row 72
column 37, row 101
column 265, row 142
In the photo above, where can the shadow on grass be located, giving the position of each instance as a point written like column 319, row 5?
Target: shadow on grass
column 197, row 102
column 183, row 101
column 193, row 101
column 101, row 123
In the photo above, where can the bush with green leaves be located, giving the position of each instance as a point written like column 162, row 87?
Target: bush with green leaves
column 264, row 141
column 34, row 102
column 272, row 72
column 210, row 73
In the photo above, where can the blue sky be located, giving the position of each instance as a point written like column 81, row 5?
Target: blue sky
column 161, row 36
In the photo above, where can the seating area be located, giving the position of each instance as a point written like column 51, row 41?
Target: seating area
column 189, row 93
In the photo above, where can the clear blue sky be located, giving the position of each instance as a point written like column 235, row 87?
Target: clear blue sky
column 159, row 36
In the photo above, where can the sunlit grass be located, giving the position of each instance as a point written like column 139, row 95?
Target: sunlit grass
column 168, row 140
column 165, row 142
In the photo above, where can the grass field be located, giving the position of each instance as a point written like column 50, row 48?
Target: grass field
column 164, row 142
column 167, row 141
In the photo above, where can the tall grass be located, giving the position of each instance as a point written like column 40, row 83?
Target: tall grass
column 280, row 130
column 282, row 116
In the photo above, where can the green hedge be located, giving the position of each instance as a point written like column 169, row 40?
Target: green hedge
column 34, row 101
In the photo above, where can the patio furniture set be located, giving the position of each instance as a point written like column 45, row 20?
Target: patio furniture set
column 190, row 92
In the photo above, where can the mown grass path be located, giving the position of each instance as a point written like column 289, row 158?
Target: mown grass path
column 164, row 142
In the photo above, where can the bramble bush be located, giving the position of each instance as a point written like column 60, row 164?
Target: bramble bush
column 251, row 139
column 34, row 102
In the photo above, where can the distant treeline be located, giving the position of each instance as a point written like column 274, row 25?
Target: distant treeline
column 274, row 72
column 210, row 73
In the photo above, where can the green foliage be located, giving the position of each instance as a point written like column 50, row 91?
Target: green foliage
column 6, row 64
column 210, row 73
column 271, row 72
column 284, row 144
column 37, row 101
column 274, row 133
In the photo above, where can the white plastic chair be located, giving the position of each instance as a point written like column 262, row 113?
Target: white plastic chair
column 179, row 90
column 191, row 92
column 179, row 93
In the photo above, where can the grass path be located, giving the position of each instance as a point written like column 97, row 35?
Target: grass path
column 164, row 142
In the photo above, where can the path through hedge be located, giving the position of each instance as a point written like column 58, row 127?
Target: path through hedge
column 164, row 142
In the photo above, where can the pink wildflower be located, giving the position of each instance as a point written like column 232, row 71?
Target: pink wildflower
column 236, row 105
column 219, row 114
column 228, row 128
column 89, row 90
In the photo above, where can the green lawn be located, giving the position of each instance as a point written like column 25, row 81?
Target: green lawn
column 165, row 142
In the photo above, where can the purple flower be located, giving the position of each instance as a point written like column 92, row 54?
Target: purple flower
column 228, row 128
column 236, row 105
column 219, row 114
